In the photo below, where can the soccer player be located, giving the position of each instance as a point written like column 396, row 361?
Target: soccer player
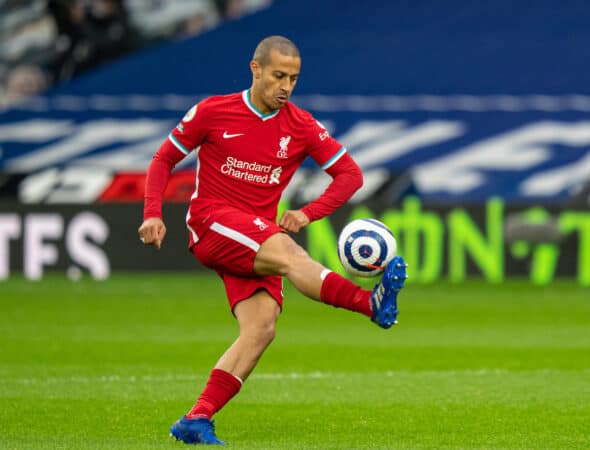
column 249, row 144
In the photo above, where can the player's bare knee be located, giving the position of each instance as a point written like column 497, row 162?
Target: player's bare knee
column 279, row 255
column 268, row 333
column 295, row 258
column 262, row 333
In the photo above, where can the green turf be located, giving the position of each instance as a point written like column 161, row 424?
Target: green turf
column 113, row 364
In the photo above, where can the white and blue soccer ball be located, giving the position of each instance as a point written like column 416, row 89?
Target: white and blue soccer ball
column 365, row 247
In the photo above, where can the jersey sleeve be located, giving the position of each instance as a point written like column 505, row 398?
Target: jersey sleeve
column 192, row 130
column 157, row 177
column 347, row 178
column 332, row 157
column 187, row 136
column 322, row 147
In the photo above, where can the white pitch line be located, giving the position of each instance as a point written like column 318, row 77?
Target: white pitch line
column 281, row 376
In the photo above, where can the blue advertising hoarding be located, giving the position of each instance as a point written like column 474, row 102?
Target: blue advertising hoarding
column 466, row 101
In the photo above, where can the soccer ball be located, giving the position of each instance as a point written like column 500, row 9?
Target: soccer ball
column 365, row 247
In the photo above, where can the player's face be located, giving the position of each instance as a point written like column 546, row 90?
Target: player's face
column 274, row 82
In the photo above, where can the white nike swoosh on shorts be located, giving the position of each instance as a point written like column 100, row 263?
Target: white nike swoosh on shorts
column 229, row 136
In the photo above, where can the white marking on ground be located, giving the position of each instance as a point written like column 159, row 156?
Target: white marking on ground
column 130, row 379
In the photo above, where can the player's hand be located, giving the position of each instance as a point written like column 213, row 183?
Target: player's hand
column 152, row 232
column 293, row 220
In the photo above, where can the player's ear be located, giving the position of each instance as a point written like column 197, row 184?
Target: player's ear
column 256, row 69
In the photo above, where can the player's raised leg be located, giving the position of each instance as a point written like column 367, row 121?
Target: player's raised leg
column 281, row 255
column 384, row 294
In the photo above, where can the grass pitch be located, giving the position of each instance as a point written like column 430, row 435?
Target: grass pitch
column 113, row 364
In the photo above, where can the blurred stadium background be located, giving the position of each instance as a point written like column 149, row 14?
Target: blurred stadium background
column 471, row 123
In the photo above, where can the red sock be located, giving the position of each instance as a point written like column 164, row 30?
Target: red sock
column 220, row 389
column 342, row 293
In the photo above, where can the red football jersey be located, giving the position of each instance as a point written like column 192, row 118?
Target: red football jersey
column 245, row 158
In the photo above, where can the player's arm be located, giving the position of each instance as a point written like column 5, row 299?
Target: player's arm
column 153, row 229
column 347, row 178
column 187, row 135
column 333, row 158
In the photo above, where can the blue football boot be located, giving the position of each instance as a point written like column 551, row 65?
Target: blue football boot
column 384, row 295
column 195, row 431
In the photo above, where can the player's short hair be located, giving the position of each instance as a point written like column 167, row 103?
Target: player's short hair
column 280, row 43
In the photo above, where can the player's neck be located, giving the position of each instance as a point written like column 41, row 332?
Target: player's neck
column 259, row 104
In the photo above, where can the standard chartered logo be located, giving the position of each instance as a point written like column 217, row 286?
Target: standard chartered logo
column 252, row 172
column 275, row 175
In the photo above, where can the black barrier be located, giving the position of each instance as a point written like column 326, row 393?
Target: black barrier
column 490, row 241
column 95, row 239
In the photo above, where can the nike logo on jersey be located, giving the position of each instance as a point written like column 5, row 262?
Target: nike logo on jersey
column 229, row 136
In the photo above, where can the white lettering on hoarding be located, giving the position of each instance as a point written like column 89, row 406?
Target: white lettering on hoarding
column 42, row 232
column 9, row 229
column 517, row 150
column 39, row 228
column 88, row 225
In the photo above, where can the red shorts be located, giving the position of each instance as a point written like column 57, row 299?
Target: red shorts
column 229, row 247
